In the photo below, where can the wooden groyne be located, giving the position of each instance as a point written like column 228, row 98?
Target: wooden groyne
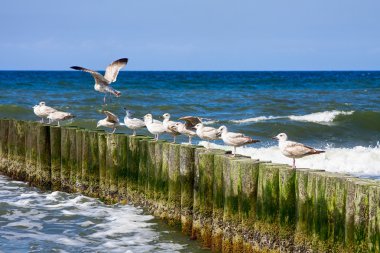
column 229, row 204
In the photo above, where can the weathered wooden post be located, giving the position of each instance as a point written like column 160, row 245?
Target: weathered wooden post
column 143, row 171
column 4, row 128
column 31, row 152
column 55, row 155
column 123, row 170
column 150, row 172
column 113, row 164
column 133, row 167
column 162, row 181
column 221, row 163
column 187, row 190
column 374, row 218
column 103, row 183
column 16, row 149
column 86, row 161
column 174, row 194
column 249, row 173
column 287, row 205
column 267, row 224
column 76, row 176
column 43, row 176
column 92, row 174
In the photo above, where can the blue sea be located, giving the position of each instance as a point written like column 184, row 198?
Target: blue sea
column 335, row 111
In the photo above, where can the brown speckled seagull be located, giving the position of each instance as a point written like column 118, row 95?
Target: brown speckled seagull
column 102, row 83
column 293, row 149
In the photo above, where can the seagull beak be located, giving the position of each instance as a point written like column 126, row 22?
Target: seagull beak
column 274, row 138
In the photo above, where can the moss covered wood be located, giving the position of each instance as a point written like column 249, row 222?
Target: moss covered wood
column 4, row 128
column 174, row 187
column 55, row 155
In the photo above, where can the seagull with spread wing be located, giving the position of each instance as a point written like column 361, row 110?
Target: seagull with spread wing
column 111, row 121
column 102, row 83
column 293, row 149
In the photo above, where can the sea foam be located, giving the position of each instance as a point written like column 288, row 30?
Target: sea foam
column 317, row 117
column 359, row 161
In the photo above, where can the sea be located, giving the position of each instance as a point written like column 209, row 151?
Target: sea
column 337, row 111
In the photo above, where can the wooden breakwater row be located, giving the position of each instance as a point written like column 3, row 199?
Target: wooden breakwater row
column 229, row 204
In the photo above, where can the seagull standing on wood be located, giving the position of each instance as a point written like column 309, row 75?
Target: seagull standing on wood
column 170, row 126
column 293, row 149
column 59, row 116
column 132, row 123
column 111, row 121
column 206, row 133
column 188, row 128
column 102, row 83
column 154, row 126
column 234, row 139
column 43, row 111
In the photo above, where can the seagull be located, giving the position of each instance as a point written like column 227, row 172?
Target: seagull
column 206, row 133
column 59, row 116
column 293, row 149
column 234, row 139
column 182, row 129
column 132, row 123
column 169, row 126
column 102, row 83
column 43, row 111
column 154, row 126
column 111, row 121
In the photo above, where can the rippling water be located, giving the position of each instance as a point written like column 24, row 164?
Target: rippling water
column 35, row 221
column 336, row 111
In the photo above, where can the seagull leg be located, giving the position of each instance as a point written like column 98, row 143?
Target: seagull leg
column 113, row 130
column 174, row 138
column 104, row 99
column 58, row 123
column 134, row 133
column 189, row 140
column 157, row 137
column 42, row 120
column 234, row 152
column 294, row 163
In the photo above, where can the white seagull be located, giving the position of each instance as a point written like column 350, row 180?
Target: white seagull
column 111, row 121
column 59, row 116
column 206, row 133
column 154, row 126
column 188, row 128
column 170, row 126
column 102, row 83
column 293, row 149
column 132, row 123
column 234, row 139
column 43, row 111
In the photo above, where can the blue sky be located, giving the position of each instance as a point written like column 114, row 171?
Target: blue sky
column 191, row 35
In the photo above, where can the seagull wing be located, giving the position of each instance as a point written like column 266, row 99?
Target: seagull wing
column 111, row 117
column 235, row 135
column 99, row 79
column 191, row 121
column 299, row 149
column 113, row 69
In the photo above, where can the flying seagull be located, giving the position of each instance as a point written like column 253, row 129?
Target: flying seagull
column 293, row 149
column 234, row 139
column 111, row 121
column 102, row 83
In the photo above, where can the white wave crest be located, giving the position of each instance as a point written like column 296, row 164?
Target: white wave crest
column 359, row 160
column 320, row 117
column 316, row 117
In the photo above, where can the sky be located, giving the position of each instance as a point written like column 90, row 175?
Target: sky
column 191, row 35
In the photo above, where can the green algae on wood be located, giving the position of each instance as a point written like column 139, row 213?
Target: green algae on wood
column 123, row 171
column 16, row 149
column 249, row 173
column 142, row 171
column 72, row 162
column 65, row 158
column 150, row 172
column 43, row 175
column 133, row 166
column 55, row 155
column 4, row 128
column 113, row 163
column 187, row 191
column 103, row 183
column 76, row 175
column 93, row 164
column 31, row 152
column 174, row 187
column 86, row 161
column 162, row 181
